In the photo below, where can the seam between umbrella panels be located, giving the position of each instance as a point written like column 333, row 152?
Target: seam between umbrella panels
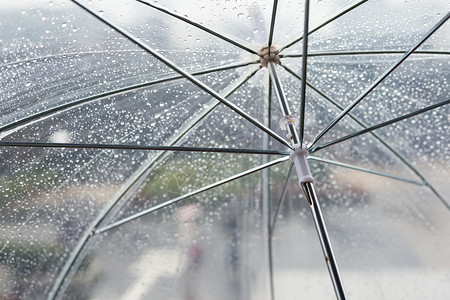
column 345, row 11
column 378, row 80
column 76, row 171
column 141, row 173
column 280, row 201
column 380, row 125
column 266, row 203
column 195, row 24
column 75, row 54
column 142, row 147
column 188, row 195
column 304, row 72
column 74, row 104
column 272, row 23
column 186, row 74
column 363, row 52
column 87, row 237
column 365, row 170
column 376, row 136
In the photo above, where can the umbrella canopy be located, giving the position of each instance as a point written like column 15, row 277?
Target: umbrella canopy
column 154, row 150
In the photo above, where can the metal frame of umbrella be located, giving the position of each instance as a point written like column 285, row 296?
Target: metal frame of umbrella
column 297, row 152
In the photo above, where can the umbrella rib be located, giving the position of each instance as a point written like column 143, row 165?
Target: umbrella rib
column 370, row 52
column 141, row 173
column 281, row 200
column 266, row 197
column 61, row 108
column 389, row 122
column 284, row 105
column 77, row 54
column 77, row 170
column 378, row 81
column 272, row 23
column 376, row 136
column 269, row 100
column 64, row 55
column 304, row 67
column 141, row 147
column 365, row 170
column 187, row 75
column 199, row 26
column 343, row 12
column 190, row 194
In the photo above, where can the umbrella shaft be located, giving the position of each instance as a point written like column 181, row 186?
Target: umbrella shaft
column 309, row 191
column 284, row 106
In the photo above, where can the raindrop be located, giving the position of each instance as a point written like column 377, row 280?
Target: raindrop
column 28, row 84
column 61, row 136
column 63, row 25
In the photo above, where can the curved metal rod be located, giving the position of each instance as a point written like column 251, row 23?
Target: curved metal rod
column 304, row 71
column 363, row 52
column 138, row 177
column 64, row 55
column 346, row 10
column 369, row 129
column 282, row 100
column 365, row 170
column 77, row 171
column 186, row 74
column 272, row 23
column 42, row 115
column 281, row 201
column 376, row 136
column 80, row 54
column 190, row 194
column 85, row 53
column 189, row 21
column 374, row 84
column 266, row 197
column 183, row 130
column 141, row 147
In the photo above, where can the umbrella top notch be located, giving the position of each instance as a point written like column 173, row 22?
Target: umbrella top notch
column 269, row 54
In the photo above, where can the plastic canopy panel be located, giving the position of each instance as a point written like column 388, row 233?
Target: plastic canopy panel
column 193, row 249
column 145, row 149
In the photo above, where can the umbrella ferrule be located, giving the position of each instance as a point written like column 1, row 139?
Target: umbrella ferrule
column 299, row 156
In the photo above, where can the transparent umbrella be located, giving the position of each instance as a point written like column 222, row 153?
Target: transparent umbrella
column 224, row 150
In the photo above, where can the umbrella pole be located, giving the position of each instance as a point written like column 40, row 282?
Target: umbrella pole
column 310, row 193
column 299, row 157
